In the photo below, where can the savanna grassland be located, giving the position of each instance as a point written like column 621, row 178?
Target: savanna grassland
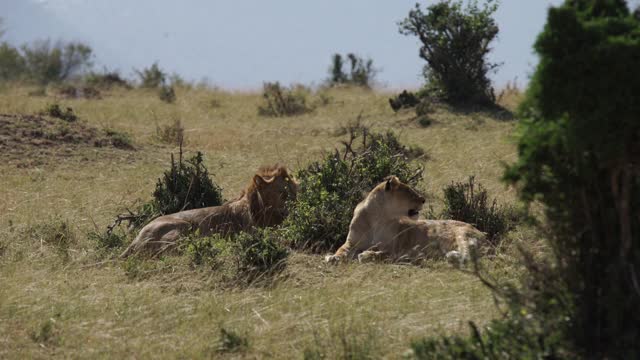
column 70, row 302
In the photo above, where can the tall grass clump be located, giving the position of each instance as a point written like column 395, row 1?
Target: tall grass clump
column 331, row 188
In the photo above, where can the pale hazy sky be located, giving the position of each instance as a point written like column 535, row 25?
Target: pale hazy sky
column 240, row 44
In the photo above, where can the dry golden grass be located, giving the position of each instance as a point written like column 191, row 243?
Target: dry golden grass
column 51, row 305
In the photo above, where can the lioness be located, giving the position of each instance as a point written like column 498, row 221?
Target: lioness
column 385, row 225
column 262, row 203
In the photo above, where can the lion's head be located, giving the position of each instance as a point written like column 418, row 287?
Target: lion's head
column 400, row 199
column 269, row 192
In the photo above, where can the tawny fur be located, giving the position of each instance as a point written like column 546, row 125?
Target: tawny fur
column 385, row 225
column 261, row 204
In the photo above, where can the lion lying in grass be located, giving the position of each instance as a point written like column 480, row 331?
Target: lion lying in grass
column 261, row 204
column 385, row 225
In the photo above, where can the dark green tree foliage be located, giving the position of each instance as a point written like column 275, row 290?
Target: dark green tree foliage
column 455, row 44
column 186, row 185
column 12, row 64
column 338, row 75
column 330, row 189
column 579, row 154
column 46, row 62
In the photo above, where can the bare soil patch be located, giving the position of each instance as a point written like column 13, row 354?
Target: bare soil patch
column 29, row 137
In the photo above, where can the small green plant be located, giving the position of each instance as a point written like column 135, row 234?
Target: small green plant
column 186, row 185
column 55, row 233
column 280, row 101
column 469, row 202
column 172, row 133
column 45, row 334
column 119, row 139
column 167, row 94
column 331, row 188
column 54, row 110
column 404, row 100
column 204, row 250
column 232, row 342
column 108, row 240
column 424, row 121
column 152, row 77
column 259, row 251
column 361, row 73
column 424, row 107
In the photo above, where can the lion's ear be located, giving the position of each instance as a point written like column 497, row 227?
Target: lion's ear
column 387, row 186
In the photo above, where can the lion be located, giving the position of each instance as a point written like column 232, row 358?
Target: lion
column 385, row 225
column 261, row 204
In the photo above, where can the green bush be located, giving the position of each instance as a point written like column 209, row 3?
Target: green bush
column 172, row 133
column 280, row 101
column 106, row 80
column 470, row 203
column 404, row 100
column 54, row 110
column 167, row 94
column 258, row 251
column 204, row 250
column 46, row 62
column 107, row 240
column 424, row 121
column 186, row 185
column 455, row 44
column 152, row 77
column 330, row 189
column 119, row 139
column 361, row 73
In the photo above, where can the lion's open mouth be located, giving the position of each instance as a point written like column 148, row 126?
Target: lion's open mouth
column 413, row 212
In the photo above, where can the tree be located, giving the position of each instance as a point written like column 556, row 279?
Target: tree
column 12, row 65
column 46, row 62
column 455, row 44
column 579, row 154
